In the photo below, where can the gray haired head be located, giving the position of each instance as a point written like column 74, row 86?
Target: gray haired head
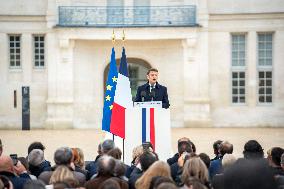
column 107, row 145
column 63, row 156
column 36, row 157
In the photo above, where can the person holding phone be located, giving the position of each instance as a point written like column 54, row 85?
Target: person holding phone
column 16, row 174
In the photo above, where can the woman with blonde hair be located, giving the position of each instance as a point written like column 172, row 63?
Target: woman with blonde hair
column 196, row 168
column 159, row 168
column 63, row 174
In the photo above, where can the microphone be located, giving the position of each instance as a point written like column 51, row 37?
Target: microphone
column 152, row 94
column 143, row 94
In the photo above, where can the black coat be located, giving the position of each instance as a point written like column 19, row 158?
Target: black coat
column 161, row 94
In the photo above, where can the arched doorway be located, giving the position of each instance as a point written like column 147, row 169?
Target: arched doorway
column 137, row 69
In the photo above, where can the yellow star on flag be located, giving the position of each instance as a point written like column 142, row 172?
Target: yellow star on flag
column 108, row 98
column 109, row 87
column 110, row 107
column 114, row 79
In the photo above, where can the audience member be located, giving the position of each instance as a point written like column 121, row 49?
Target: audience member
column 63, row 174
column 157, row 180
column 195, row 167
column 78, row 162
column 145, row 161
column 110, row 183
column 34, row 184
column 158, row 168
column 249, row 174
column 205, row 158
column 184, row 145
column 105, row 170
column 275, row 160
column 62, row 156
column 103, row 149
column 37, row 162
column 6, row 183
column 16, row 174
column 1, row 147
column 253, row 150
column 216, row 165
column 216, row 147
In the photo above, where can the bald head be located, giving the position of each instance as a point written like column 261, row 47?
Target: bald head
column 6, row 164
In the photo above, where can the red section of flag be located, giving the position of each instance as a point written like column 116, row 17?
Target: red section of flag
column 152, row 128
column 117, row 126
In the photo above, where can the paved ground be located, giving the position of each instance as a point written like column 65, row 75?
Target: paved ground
column 15, row 141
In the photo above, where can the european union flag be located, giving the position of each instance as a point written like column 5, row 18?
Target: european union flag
column 110, row 92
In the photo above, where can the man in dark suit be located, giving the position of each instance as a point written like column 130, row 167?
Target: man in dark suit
column 152, row 90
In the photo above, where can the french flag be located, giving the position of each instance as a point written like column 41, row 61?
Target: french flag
column 148, row 126
column 122, row 99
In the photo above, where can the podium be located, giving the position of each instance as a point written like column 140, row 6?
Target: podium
column 146, row 122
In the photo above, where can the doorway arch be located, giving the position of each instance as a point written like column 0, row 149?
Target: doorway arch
column 137, row 69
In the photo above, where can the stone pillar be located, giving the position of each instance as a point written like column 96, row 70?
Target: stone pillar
column 27, row 59
column 60, row 83
column 196, row 73
column 251, row 74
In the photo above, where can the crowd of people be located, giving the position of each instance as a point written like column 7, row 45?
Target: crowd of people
column 187, row 169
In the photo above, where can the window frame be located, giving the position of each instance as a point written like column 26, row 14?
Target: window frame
column 14, row 67
column 39, row 67
column 265, row 68
column 238, row 69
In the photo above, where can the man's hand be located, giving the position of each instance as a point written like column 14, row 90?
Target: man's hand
column 20, row 168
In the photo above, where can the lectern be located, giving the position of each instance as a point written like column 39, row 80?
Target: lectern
column 146, row 122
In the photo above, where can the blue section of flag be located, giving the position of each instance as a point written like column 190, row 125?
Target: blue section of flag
column 143, row 125
column 110, row 92
column 123, row 64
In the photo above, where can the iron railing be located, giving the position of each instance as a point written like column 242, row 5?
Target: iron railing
column 112, row 16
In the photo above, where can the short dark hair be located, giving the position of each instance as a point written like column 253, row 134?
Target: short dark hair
column 147, row 159
column 63, row 156
column 276, row 153
column 205, row 158
column 184, row 146
column 36, row 145
column 152, row 70
column 216, row 146
column 252, row 150
column 115, row 153
column 107, row 145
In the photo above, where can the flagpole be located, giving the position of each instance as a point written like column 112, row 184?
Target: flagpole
column 113, row 43
column 123, row 40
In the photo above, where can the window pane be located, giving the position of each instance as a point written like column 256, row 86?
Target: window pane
column 261, row 74
column 268, row 83
column 268, row 91
column 261, row 91
column 235, row 75
column 268, row 74
column 234, row 83
column 235, row 91
column 268, row 98
column 242, row 91
column 261, row 82
column 17, row 63
column 242, row 99
column 242, row 74
column 235, row 99
column 261, row 98
column 242, row 83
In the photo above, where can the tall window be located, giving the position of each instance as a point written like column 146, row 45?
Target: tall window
column 15, row 51
column 238, row 68
column 265, row 67
column 38, row 51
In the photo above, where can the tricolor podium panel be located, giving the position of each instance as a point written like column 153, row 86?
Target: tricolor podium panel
column 146, row 125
